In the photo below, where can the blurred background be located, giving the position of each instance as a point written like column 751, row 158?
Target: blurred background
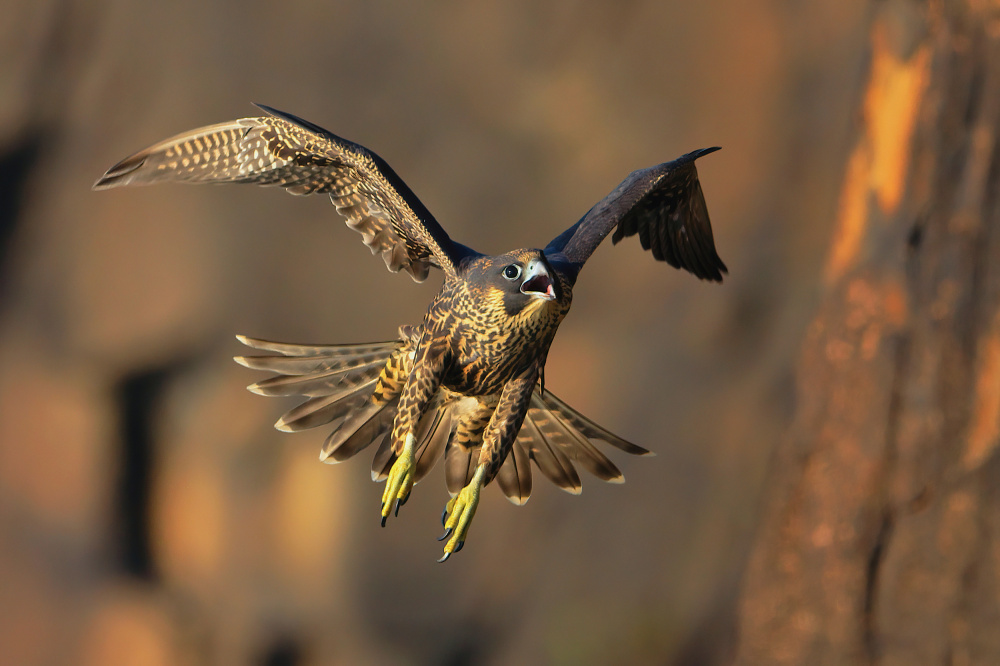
column 149, row 514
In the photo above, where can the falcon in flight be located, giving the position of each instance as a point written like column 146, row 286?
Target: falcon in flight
column 467, row 384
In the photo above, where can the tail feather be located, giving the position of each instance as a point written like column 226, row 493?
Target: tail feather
column 551, row 462
column 296, row 366
column 433, row 434
column 514, row 477
column 587, row 427
column 286, row 365
column 325, row 409
column 322, row 382
column 339, row 383
column 459, row 467
column 291, row 349
column 362, row 428
column 434, row 431
column 384, row 457
column 576, row 446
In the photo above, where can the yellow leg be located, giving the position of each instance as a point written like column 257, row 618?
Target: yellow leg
column 459, row 512
column 400, row 481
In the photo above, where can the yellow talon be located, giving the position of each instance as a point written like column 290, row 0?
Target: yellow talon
column 459, row 511
column 400, row 481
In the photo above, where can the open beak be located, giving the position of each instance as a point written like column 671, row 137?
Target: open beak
column 537, row 281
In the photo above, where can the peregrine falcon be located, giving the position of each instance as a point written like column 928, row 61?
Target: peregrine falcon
column 467, row 384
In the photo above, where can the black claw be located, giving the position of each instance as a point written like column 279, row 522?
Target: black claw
column 383, row 521
column 459, row 546
column 398, row 504
column 445, row 557
column 447, row 533
column 444, row 516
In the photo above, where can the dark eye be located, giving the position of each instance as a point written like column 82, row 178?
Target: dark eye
column 512, row 272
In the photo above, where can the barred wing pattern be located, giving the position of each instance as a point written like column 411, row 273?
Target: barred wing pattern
column 286, row 151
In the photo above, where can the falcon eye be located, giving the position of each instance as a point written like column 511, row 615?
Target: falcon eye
column 512, row 272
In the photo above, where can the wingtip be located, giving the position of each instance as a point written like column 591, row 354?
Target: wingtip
column 242, row 360
column 118, row 175
column 282, row 425
column 255, row 388
column 716, row 272
column 107, row 181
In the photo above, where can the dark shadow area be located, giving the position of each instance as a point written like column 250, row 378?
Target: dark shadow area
column 283, row 651
column 713, row 640
column 138, row 396
column 16, row 165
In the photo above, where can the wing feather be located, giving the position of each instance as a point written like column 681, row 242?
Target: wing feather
column 665, row 206
column 283, row 150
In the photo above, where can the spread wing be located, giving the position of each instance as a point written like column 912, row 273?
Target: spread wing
column 665, row 206
column 284, row 150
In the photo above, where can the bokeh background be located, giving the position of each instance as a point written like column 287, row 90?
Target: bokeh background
column 149, row 514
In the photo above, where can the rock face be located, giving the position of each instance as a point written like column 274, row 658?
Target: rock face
column 149, row 512
column 880, row 538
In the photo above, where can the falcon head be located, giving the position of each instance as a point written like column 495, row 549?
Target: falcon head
column 523, row 280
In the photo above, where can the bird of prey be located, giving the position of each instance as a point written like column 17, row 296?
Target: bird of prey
column 467, row 384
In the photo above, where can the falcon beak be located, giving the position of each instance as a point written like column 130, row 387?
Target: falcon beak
column 537, row 281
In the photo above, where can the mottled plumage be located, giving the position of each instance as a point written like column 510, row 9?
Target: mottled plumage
column 466, row 384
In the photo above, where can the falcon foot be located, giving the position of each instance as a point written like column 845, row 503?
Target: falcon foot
column 459, row 512
column 400, row 481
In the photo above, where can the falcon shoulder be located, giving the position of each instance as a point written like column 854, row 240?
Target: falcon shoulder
column 280, row 149
column 665, row 206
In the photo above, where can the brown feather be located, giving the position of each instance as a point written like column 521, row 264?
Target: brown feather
column 363, row 427
column 282, row 150
column 551, row 462
column 433, row 434
column 325, row 409
column 458, row 466
column 590, row 429
column 321, row 382
column 514, row 477
column 574, row 445
column 383, row 460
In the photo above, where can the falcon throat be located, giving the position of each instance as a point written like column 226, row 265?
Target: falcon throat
column 465, row 385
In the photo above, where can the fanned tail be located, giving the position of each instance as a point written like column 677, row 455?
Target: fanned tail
column 553, row 436
column 355, row 387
